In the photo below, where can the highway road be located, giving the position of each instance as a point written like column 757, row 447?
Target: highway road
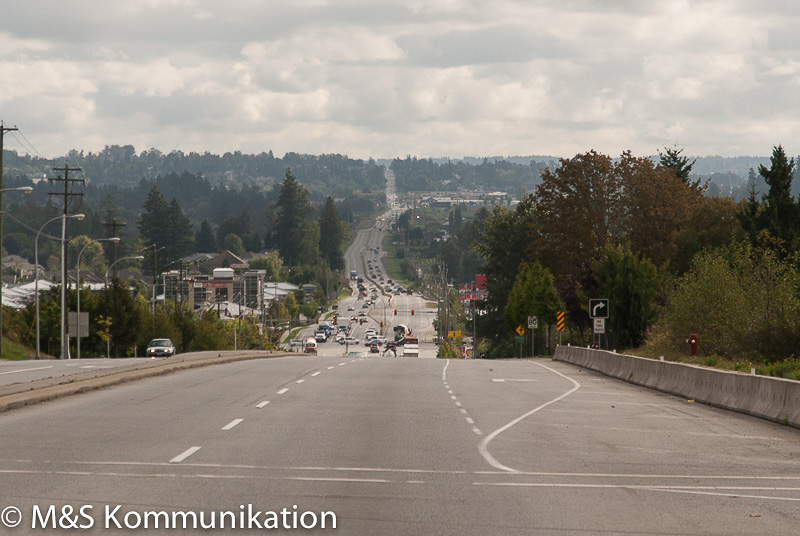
column 407, row 446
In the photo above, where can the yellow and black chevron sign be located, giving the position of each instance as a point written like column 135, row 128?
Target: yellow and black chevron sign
column 560, row 320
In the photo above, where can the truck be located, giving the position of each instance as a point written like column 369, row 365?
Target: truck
column 311, row 346
column 411, row 347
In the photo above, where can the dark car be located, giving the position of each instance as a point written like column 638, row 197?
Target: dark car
column 160, row 348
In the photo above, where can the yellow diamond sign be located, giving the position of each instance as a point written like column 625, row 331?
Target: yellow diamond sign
column 520, row 330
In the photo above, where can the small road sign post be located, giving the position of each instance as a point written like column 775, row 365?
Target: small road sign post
column 598, row 310
column 533, row 323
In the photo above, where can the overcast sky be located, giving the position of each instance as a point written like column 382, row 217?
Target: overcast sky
column 374, row 78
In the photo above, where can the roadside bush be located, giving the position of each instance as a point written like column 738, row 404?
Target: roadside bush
column 740, row 301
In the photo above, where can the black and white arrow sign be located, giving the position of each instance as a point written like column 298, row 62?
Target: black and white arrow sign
column 598, row 308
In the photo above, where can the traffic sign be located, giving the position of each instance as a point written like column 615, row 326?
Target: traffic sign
column 599, row 325
column 520, row 338
column 533, row 322
column 560, row 321
column 453, row 334
column 520, row 330
column 598, row 308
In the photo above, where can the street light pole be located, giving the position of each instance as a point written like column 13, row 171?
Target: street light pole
column 36, row 269
column 137, row 257
column 114, row 239
column 24, row 189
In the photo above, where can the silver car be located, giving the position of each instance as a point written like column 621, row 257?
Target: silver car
column 160, row 348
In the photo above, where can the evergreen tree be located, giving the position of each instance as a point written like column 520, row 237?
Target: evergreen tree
column 164, row 225
column 780, row 213
column 153, row 219
column 180, row 233
column 292, row 209
column 204, row 240
column 748, row 214
column 331, row 236
column 679, row 164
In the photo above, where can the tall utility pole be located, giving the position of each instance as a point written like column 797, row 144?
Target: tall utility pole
column 114, row 224
column 3, row 130
column 67, row 194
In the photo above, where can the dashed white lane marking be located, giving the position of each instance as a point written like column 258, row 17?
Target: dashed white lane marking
column 185, row 454
column 330, row 368
column 317, row 373
column 300, row 381
column 483, row 446
column 342, row 364
column 87, row 366
column 233, row 423
column 454, row 398
column 262, row 404
column 25, row 370
column 283, row 391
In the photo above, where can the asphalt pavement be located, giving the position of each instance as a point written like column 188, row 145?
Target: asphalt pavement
column 406, row 446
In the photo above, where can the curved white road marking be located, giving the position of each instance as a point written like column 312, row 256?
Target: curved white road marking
column 444, row 371
column 484, row 444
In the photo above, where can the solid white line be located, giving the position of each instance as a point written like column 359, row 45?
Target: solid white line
column 283, row 391
column 317, row 373
column 180, row 457
column 25, row 370
column 793, row 499
column 503, row 380
column 299, row 381
column 262, row 404
column 314, row 479
column 483, row 446
column 231, row 424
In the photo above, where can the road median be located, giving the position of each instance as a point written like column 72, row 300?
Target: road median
column 25, row 394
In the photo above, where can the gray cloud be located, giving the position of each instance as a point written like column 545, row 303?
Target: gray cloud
column 450, row 77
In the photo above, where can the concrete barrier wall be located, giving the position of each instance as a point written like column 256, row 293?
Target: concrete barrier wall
column 770, row 398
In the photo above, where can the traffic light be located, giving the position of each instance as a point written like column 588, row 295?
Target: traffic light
column 381, row 323
column 412, row 312
column 395, row 312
